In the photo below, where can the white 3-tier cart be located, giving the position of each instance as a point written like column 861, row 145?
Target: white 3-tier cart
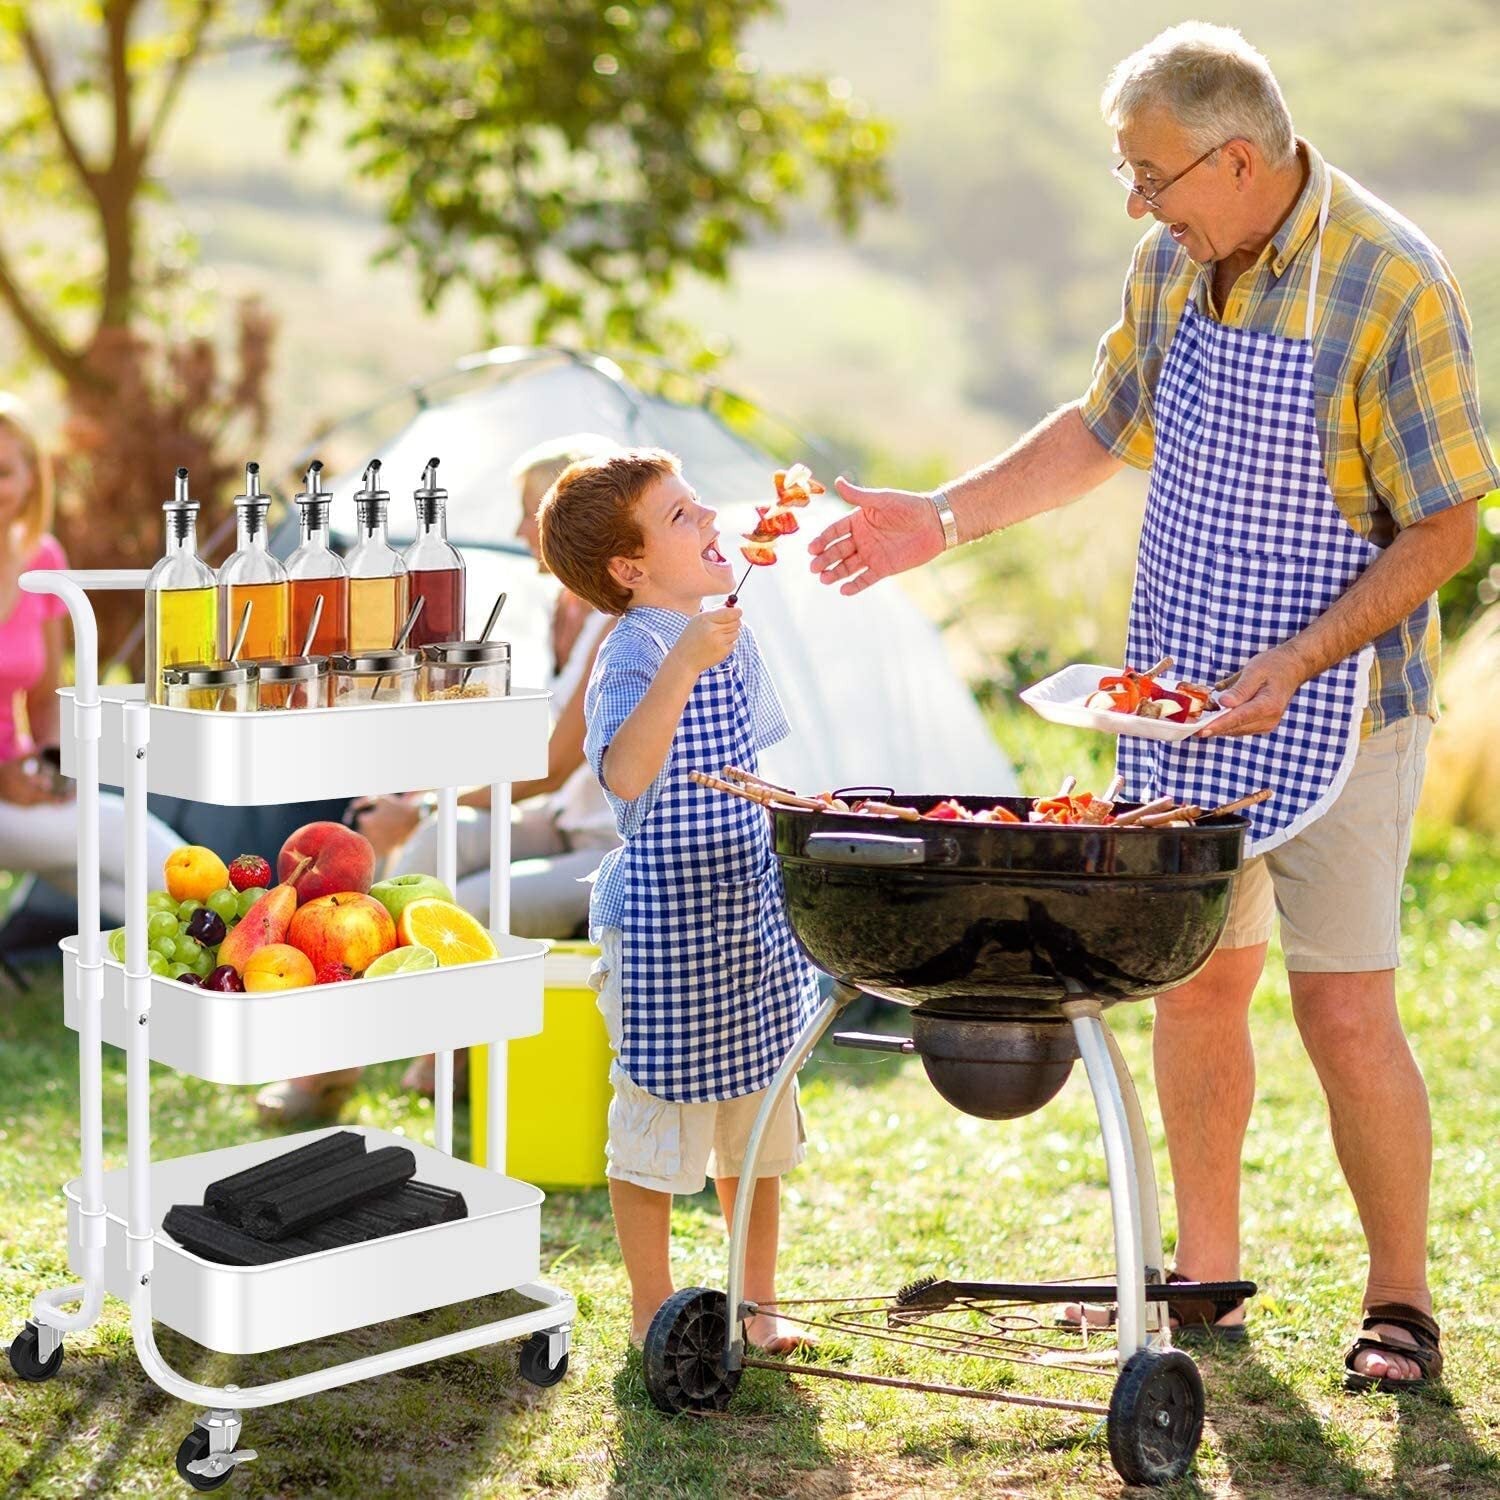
column 115, row 1240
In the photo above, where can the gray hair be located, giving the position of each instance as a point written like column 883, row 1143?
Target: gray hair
column 550, row 458
column 1212, row 82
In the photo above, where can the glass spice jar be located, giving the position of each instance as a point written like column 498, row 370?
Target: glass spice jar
column 388, row 676
column 465, row 669
column 294, row 682
column 212, row 686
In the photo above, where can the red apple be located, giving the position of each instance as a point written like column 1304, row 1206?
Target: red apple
column 347, row 928
column 342, row 860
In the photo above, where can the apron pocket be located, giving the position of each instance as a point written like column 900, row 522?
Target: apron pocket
column 738, row 915
column 1257, row 600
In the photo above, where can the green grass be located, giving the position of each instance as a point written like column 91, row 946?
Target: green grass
column 897, row 1185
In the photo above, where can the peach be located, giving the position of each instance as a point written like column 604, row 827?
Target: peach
column 193, row 873
column 277, row 966
column 342, row 860
column 346, row 928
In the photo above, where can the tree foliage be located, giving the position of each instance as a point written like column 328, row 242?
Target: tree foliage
column 562, row 161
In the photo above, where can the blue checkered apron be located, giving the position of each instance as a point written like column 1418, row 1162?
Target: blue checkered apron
column 1243, row 545
column 715, row 988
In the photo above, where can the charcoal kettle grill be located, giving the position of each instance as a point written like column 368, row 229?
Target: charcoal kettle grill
column 1008, row 941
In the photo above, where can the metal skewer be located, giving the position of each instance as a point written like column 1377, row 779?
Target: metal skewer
column 733, row 599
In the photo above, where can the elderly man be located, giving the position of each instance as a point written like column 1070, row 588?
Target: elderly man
column 1293, row 367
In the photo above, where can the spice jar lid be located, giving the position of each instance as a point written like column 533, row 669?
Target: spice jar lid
column 209, row 673
column 375, row 661
column 293, row 668
column 466, row 653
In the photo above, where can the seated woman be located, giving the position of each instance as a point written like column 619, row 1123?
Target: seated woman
column 38, row 816
column 561, row 826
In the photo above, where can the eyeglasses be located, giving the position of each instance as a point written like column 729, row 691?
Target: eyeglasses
column 1126, row 178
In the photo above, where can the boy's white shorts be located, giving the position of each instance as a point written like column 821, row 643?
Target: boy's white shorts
column 674, row 1148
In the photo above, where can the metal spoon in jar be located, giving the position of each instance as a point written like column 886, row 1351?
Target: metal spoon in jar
column 234, row 650
column 400, row 644
column 484, row 635
column 307, row 645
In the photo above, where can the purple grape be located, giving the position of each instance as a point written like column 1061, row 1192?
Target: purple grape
column 225, row 980
column 207, row 926
column 190, row 978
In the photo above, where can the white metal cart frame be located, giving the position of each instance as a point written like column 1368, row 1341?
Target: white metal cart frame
column 204, row 1044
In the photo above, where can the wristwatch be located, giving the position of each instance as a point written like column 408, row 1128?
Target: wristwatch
column 948, row 519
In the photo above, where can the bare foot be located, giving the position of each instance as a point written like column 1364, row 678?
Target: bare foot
column 1380, row 1366
column 771, row 1335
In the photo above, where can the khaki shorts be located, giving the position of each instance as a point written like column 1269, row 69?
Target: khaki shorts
column 674, row 1148
column 1337, row 884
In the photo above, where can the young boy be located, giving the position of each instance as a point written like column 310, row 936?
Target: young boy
column 700, row 981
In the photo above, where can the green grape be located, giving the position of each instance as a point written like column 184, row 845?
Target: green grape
column 177, row 970
column 205, row 963
column 187, row 908
column 161, row 901
column 188, row 948
column 225, row 902
column 158, row 965
column 161, row 924
column 117, row 945
column 166, row 947
column 248, row 898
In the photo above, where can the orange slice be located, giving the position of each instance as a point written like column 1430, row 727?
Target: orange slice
column 448, row 930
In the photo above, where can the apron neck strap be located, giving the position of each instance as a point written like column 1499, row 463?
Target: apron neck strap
column 1317, row 257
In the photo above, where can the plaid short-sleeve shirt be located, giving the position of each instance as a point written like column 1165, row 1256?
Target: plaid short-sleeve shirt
column 1397, row 403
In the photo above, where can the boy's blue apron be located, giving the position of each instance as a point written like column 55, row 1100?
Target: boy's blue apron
column 1243, row 546
column 715, row 988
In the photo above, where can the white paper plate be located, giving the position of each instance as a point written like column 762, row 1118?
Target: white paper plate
column 1061, row 698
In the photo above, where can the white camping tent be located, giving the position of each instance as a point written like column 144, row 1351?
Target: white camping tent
column 866, row 682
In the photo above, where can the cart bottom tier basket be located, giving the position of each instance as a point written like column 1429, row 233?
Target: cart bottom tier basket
column 252, row 1309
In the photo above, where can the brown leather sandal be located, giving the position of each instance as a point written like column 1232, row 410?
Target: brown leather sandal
column 1422, row 1352
column 1197, row 1317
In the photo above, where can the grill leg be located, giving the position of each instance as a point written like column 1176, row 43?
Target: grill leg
column 1120, row 1162
column 739, row 1231
column 1157, row 1322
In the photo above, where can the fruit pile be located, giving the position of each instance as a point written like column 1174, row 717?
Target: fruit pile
column 228, row 928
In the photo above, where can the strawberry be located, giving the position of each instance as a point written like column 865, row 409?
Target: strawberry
column 331, row 971
column 249, row 870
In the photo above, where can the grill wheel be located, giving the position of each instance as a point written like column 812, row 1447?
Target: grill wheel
column 684, row 1353
column 1155, row 1417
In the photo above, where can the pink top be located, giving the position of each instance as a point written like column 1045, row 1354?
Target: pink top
column 23, row 647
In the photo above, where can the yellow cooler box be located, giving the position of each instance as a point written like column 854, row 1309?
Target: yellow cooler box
column 558, row 1103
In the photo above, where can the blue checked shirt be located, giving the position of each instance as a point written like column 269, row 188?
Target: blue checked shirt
column 625, row 667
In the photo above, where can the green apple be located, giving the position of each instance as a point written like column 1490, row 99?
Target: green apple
column 399, row 891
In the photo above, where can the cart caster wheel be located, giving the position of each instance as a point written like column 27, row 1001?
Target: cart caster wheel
column 533, row 1362
column 194, row 1447
column 1155, row 1416
column 684, row 1353
column 25, row 1356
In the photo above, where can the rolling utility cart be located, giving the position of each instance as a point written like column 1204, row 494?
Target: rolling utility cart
column 115, row 1239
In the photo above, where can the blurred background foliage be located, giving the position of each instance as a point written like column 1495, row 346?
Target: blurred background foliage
column 964, row 308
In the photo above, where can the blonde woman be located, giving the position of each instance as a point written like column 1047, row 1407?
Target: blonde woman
column 38, row 825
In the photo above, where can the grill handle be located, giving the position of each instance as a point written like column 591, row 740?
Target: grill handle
column 874, row 1041
column 865, row 849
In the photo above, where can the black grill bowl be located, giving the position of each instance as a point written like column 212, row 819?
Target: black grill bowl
column 1005, row 919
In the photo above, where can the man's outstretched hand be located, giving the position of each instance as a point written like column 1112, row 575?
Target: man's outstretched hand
column 888, row 532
